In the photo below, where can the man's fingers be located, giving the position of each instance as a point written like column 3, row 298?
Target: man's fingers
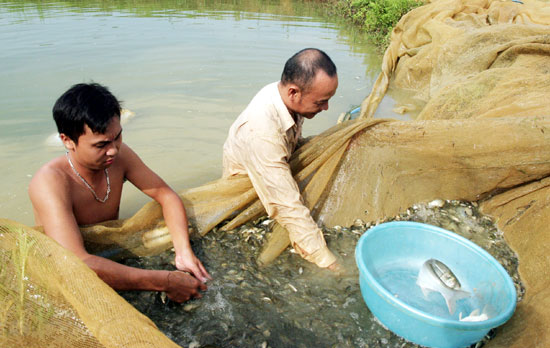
column 197, row 296
column 193, row 266
column 194, row 270
column 204, row 272
column 336, row 268
column 184, row 286
column 197, row 272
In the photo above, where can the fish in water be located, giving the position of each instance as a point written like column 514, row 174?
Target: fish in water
column 434, row 275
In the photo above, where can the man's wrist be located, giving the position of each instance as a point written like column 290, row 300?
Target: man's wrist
column 165, row 284
column 184, row 248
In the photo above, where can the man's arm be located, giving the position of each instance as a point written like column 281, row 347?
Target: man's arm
column 53, row 208
column 173, row 211
column 272, row 179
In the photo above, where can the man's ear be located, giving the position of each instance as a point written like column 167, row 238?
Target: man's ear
column 67, row 142
column 293, row 92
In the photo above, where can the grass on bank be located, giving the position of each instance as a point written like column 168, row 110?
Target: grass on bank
column 376, row 17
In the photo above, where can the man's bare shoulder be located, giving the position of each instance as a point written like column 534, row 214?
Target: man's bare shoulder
column 126, row 157
column 50, row 189
column 52, row 174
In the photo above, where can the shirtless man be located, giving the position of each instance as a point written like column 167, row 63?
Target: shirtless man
column 84, row 186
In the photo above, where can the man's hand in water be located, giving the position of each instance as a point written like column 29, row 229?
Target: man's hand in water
column 188, row 262
column 181, row 286
column 337, row 268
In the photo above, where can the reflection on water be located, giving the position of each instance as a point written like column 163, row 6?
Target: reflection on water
column 292, row 303
column 185, row 68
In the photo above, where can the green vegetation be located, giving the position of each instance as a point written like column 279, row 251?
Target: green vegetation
column 376, row 17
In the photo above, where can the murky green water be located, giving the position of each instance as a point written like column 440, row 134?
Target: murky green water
column 185, row 68
column 292, row 303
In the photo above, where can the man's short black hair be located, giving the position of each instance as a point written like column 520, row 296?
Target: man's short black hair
column 85, row 104
column 302, row 67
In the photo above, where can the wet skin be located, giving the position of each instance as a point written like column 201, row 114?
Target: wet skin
column 62, row 202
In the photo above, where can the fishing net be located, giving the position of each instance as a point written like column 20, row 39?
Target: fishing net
column 49, row 298
column 465, row 63
column 523, row 214
column 469, row 58
column 478, row 75
column 228, row 202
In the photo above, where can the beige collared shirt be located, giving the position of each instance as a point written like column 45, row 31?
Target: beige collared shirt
column 259, row 144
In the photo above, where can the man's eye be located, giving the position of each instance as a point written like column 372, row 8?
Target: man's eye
column 100, row 146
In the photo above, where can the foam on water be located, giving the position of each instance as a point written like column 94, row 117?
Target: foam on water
column 220, row 305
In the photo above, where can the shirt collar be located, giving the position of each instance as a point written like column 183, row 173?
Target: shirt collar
column 286, row 118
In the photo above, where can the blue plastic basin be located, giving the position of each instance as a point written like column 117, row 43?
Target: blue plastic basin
column 389, row 257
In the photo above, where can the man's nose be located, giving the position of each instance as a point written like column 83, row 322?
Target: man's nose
column 113, row 149
column 325, row 106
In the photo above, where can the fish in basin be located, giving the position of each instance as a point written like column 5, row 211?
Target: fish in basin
column 476, row 315
column 435, row 276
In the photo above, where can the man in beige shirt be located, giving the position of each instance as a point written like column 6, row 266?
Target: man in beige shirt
column 262, row 139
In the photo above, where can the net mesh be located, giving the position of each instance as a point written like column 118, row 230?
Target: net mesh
column 49, row 298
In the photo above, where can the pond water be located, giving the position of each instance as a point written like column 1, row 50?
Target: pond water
column 186, row 69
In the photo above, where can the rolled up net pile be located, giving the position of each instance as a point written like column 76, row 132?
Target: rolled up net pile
column 469, row 58
column 468, row 63
column 479, row 74
column 49, row 298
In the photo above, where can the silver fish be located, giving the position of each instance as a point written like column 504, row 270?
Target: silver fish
column 434, row 275
column 476, row 315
